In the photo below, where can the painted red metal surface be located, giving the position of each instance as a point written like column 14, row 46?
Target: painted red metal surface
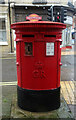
column 37, row 67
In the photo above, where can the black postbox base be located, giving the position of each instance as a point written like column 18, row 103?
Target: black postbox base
column 38, row 100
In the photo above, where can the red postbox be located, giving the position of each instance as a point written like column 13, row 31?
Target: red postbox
column 38, row 64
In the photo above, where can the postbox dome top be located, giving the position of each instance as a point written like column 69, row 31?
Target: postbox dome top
column 37, row 24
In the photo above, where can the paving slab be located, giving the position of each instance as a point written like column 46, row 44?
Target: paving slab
column 7, row 94
column 62, row 112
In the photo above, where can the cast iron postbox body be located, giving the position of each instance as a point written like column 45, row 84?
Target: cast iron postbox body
column 38, row 64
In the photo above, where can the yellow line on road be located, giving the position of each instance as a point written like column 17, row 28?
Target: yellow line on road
column 8, row 83
column 64, row 92
column 68, row 53
column 68, row 91
column 8, row 58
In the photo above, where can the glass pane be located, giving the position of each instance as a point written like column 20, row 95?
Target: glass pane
column 28, row 48
column 2, row 23
column 3, row 36
column 2, row 1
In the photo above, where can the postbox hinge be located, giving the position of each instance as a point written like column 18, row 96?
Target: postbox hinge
column 18, row 39
column 17, row 63
column 60, row 64
column 59, row 40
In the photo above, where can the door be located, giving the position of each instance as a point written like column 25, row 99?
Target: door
column 39, row 64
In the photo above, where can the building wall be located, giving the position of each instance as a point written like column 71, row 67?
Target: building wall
column 5, row 46
column 75, row 20
column 22, row 12
column 19, row 14
column 48, row 1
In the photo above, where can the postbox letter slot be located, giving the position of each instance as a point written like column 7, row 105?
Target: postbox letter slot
column 27, row 36
column 49, row 35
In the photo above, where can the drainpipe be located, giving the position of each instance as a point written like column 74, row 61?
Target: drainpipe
column 10, row 26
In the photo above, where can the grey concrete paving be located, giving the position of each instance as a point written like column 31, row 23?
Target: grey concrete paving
column 7, row 95
column 68, row 72
column 9, row 69
column 67, row 69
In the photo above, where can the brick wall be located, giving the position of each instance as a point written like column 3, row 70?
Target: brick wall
column 21, row 13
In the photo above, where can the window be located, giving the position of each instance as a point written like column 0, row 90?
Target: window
column 2, row 1
column 2, row 30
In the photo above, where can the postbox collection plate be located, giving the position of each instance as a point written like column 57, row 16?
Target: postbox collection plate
column 49, row 48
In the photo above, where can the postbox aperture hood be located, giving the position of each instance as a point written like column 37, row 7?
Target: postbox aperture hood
column 38, row 24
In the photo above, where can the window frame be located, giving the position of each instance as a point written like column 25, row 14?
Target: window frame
column 4, row 42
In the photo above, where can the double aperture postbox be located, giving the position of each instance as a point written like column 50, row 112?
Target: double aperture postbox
column 38, row 64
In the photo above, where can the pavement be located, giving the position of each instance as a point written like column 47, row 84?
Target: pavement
column 9, row 88
column 62, row 112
